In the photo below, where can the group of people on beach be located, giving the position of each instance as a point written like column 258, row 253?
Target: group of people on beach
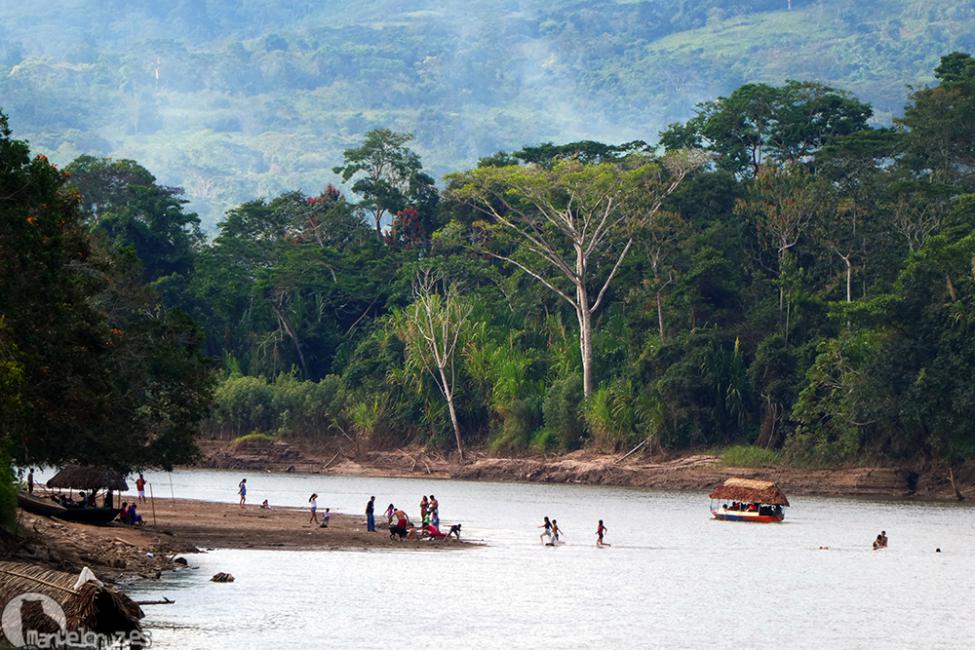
column 401, row 527
column 397, row 521
column 313, row 501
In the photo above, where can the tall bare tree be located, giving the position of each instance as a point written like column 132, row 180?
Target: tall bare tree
column 572, row 224
column 431, row 328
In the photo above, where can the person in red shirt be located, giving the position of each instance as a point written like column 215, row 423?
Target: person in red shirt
column 140, row 485
column 600, row 531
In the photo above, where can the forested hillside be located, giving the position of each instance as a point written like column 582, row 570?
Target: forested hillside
column 239, row 99
column 779, row 274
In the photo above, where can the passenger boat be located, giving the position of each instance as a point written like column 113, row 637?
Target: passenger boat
column 759, row 502
column 51, row 508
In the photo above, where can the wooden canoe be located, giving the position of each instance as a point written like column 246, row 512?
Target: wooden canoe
column 50, row 508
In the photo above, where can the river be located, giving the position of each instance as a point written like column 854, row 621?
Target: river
column 673, row 577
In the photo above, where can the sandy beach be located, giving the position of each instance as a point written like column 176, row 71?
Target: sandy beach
column 182, row 526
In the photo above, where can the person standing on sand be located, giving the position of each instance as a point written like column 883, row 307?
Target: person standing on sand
column 30, row 481
column 547, row 525
column 242, row 491
column 424, row 505
column 313, row 500
column 140, row 486
column 600, row 531
column 325, row 517
column 434, row 507
column 370, row 515
column 390, row 511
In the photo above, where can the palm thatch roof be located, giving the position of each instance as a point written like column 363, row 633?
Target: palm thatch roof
column 750, row 491
column 87, row 477
column 90, row 606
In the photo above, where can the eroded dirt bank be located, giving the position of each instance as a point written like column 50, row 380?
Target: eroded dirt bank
column 698, row 472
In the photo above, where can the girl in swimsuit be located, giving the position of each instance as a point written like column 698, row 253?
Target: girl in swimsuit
column 547, row 525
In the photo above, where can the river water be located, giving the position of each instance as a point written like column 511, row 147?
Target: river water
column 673, row 577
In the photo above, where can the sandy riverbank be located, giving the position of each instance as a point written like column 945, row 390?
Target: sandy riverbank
column 117, row 552
column 698, row 472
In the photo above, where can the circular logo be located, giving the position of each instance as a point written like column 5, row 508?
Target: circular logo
column 29, row 612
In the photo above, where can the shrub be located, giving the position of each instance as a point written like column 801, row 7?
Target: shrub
column 563, row 421
column 254, row 436
column 749, row 456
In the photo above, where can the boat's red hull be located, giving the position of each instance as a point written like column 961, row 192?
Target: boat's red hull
column 754, row 517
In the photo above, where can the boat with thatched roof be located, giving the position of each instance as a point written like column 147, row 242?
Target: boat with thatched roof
column 749, row 500
column 77, row 477
column 83, row 604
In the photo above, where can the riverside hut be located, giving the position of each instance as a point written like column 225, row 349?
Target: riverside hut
column 87, row 477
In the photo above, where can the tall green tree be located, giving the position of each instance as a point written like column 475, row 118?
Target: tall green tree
column 573, row 224
column 759, row 124
column 109, row 376
column 123, row 201
column 388, row 176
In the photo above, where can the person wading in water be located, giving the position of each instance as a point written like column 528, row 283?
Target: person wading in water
column 547, row 525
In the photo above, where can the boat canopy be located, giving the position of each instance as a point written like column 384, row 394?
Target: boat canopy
column 87, row 477
column 750, row 491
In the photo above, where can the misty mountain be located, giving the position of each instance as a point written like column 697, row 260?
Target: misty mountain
column 234, row 99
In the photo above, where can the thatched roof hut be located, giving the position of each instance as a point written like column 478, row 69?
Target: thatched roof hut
column 750, row 491
column 90, row 606
column 87, row 477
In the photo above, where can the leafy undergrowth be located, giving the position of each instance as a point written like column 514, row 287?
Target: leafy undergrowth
column 749, row 456
column 252, row 437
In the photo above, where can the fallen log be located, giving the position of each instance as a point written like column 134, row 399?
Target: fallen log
column 632, row 451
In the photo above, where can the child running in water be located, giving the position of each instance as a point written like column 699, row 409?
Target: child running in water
column 556, row 532
column 547, row 525
column 600, row 531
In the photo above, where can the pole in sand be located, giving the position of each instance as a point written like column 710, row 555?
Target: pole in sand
column 152, row 500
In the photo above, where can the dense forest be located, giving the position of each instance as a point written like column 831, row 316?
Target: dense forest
column 777, row 273
column 240, row 99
